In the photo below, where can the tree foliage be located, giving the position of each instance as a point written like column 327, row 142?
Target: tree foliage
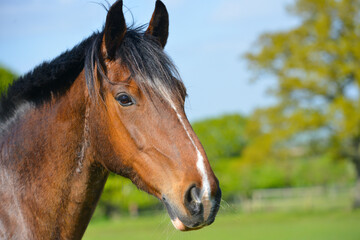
column 121, row 196
column 317, row 69
column 6, row 77
column 222, row 137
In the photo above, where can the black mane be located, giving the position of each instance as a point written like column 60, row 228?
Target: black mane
column 149, row 65
column 46, row 80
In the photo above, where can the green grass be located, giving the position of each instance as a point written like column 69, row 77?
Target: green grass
column 319, row 225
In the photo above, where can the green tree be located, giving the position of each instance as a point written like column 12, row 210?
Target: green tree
column 6, row 77
column 317, row 69
column 222, row 137
column 121, row 196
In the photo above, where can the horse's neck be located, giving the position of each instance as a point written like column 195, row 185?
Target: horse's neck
column 47, row 157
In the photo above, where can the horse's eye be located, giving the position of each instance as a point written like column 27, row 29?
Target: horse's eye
column 124, row 100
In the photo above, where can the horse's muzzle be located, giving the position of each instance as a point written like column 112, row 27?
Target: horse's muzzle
column 200, row 210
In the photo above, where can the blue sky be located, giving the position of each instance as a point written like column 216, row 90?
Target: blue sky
column 206, row 42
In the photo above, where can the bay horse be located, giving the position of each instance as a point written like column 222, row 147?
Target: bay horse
column 114, row 103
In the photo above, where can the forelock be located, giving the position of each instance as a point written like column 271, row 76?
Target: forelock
column 148, row 64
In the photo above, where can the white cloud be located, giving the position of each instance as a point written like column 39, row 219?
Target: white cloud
column 66, row 1
column 174, row 3
column 230, row 10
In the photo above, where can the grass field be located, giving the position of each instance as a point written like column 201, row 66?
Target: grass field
column 315, row 225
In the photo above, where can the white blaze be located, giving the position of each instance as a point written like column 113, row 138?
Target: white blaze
column 200, row 164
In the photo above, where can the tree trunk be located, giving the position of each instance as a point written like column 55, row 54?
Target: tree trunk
column 134, row 210
column 356, row 204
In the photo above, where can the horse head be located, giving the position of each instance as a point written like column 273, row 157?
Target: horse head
column 138, row 123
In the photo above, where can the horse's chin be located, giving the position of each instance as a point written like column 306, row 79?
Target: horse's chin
column 189, row 225
column 181, row 227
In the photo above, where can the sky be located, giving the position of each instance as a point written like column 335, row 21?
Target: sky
column 207, row 39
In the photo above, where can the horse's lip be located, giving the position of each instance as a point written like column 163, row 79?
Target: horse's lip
column 178, row 224
column 170, row 210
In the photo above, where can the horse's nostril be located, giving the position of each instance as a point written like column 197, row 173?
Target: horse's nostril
column 195, row 192
column 193, row 201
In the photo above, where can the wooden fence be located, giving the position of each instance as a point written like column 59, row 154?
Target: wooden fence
column 311, row 198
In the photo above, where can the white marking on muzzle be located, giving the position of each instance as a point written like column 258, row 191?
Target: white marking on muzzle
column 200, row 158
column 178, row 224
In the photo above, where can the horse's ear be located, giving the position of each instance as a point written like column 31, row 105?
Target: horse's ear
column 159, row 24
column 115, row 29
